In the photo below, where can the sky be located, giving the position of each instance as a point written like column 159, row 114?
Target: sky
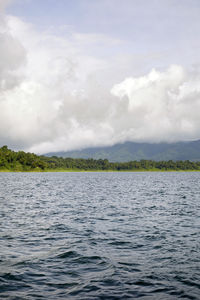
column 86, row 73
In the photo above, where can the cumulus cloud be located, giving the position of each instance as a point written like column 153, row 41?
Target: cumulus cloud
column 162, row 106
column 51, row 98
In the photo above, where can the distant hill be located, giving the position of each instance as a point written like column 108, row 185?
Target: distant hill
column 11, row 161
column 136, row 151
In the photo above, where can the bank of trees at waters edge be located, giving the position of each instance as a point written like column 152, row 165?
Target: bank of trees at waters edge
column 23, row 162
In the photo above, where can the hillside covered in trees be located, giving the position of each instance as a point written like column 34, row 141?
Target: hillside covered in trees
column 23, row 162
column 130, row 151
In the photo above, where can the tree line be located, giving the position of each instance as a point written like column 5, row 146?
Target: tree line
column 22, row 161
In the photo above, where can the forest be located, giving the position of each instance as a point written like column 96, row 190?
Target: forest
column 29, row 162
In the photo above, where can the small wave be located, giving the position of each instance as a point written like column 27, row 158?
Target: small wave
column 68, row 254
column 10, row 276
column 143, row 283
column 120, row 243
column 63, row 285
column 89, row 259
column 188, row 282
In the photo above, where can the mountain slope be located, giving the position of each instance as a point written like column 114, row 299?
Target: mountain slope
column 137, row 151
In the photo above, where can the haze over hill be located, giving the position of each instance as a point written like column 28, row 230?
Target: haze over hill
column 137, row 151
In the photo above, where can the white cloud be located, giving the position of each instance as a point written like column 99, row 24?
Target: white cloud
column 162, row 106
column 54, row 97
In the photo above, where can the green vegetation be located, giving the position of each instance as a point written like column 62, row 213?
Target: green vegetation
column 20, row 161
column 131, row 151
column 26, row 162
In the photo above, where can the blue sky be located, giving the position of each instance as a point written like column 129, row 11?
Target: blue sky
column 84, row 73
column 169, row 27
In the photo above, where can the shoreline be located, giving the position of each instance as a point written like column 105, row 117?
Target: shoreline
column 94, row 171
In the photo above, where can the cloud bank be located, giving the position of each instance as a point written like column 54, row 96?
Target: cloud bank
column 55, row 97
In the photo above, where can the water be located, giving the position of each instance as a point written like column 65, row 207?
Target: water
column 99, row 235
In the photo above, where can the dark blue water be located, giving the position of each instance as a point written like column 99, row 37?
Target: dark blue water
column 99, row 235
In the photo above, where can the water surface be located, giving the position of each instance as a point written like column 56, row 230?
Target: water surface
column 99, row 235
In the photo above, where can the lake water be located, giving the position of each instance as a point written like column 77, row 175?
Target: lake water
column 100, row 235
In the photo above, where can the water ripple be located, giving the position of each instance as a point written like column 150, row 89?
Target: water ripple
column 99, row 236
